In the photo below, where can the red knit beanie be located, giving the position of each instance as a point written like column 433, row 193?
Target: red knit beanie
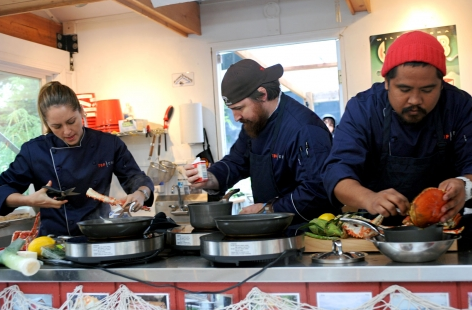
column 415, row 46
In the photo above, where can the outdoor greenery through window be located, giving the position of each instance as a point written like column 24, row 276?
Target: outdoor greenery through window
column 19, row 120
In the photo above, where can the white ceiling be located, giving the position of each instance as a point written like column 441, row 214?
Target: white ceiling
column 96, row 9
column 77, row 12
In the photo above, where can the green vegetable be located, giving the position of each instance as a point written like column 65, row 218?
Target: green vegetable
column 309, row 234
column 9, row 258
column 330, row 228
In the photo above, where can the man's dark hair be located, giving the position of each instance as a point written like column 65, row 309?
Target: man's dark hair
column 393, row 73
column 272, row 88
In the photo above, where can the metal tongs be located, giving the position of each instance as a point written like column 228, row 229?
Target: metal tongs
column 58, row 194
column 120, row 211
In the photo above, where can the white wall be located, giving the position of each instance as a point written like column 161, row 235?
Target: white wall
column 34, row 59
column 131, row 58
column 403, row 15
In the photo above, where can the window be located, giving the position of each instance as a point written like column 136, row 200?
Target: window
column 19, row 120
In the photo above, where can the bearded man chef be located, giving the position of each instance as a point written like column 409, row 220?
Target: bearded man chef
column 399, row 137
column 281, row 146
column 70, row 155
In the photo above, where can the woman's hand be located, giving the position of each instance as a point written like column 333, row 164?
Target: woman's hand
column 42, row 200
column 138, row 197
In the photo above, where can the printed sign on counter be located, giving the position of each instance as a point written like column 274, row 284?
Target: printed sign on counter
column 335, row 301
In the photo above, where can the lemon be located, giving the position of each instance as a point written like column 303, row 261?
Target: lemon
column 327, row 216
column 37, row 243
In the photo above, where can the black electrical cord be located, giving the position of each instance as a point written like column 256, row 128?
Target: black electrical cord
column 282, row 255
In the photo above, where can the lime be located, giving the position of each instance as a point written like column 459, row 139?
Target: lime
column 327, row 216
column 37, row 243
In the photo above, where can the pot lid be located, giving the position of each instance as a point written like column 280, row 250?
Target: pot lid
column 337, row 256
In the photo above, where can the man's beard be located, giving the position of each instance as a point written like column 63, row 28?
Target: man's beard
column 253, row 129
column 414, row 118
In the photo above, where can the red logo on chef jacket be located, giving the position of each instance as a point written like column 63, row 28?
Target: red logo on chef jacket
column 105, row 164
column 277, row 156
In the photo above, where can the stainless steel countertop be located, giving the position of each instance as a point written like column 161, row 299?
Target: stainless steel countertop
column 452, row 266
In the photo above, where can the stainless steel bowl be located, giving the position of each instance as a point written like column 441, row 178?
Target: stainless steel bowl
column 415, row 252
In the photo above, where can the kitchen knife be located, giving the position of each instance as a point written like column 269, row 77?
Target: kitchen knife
column 152, row 146
column 167, row 117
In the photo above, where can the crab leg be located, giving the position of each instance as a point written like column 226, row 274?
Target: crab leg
column 27, row 235
column 97, row 196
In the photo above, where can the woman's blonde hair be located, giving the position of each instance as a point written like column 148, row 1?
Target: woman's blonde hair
column 56, row 94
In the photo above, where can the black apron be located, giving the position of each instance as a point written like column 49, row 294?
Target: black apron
column 264, row 187
column 408, row 175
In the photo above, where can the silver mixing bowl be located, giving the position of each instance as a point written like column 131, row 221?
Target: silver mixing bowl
column 415, row 252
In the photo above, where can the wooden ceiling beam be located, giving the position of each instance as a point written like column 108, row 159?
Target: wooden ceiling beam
column 358, row 6
column 184, row 18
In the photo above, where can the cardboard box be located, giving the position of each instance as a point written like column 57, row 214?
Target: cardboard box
column 127, row 125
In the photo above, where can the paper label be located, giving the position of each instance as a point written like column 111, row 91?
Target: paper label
column 241, row 249
column 183, row 239
column 99, row 250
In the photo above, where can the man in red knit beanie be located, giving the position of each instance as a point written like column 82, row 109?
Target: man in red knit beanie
column 401, row 136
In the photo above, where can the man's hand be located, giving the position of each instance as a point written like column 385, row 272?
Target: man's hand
column 255, row 208
column 387, row 203
column 455, row 197
column 191, row 173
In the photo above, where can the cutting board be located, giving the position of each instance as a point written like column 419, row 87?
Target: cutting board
column 313, row 245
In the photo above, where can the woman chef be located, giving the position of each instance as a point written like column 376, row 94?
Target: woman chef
column 70, row 155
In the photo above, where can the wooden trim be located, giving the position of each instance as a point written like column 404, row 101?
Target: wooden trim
column 312, row 66
column 351, row 8
column 367, row 6
column 31, row 27
column 358, row 6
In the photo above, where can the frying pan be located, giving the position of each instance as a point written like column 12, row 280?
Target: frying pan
column 402, row 233
column 115, row 227
column 202, row 214
column 253, row 225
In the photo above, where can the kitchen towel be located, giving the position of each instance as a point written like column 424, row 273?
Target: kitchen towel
column 191, row 123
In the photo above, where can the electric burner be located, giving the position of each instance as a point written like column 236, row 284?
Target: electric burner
column 218, row 248
column 83, row 250
column 186, row 238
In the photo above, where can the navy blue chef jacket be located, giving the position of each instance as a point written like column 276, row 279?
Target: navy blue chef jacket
column 357, row 145
column 296, row 174
column 89, row 165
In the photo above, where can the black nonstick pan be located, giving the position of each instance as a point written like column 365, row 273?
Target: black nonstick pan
column 115, row 227
column 253, row 225
column 402, row 233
